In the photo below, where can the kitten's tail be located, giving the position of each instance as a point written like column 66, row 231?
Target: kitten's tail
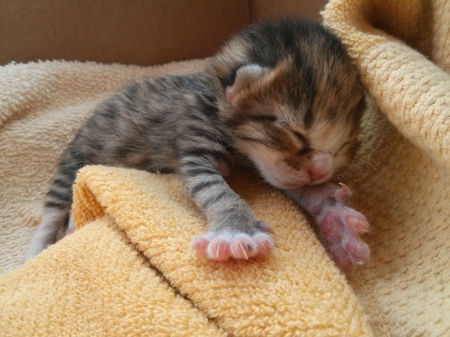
column 58, row 203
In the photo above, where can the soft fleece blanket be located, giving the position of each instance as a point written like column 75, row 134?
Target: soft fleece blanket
column 128, row 270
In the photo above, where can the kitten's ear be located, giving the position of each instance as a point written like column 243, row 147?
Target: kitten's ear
column 245, row 76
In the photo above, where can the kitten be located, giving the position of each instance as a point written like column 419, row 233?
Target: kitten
column 283, row 96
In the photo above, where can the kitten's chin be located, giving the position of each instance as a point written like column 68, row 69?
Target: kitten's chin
column 290, row 185
column 282, row 184
column 277, row 181
column 318, row 182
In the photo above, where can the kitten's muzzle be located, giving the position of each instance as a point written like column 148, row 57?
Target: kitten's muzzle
column 315, row 176
column 320, row 166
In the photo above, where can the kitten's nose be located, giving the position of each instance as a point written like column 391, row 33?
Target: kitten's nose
column 314, row 176
column 320, row 165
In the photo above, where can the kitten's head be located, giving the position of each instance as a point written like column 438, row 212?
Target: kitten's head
column 292, row 100
column 296, row 128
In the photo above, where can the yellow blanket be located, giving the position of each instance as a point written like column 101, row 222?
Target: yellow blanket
column 402, row 49
column 129, row 269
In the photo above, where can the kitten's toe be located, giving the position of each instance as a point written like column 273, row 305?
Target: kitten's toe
column 200, row 245
column 241, row 246
column 69, row 231
column 219, row 249
column 347, row 255
column 244, row 246
column 340, row 256
column 342, row 194
column 357, row 222
column 264, row 243
column 72, row 227
column 357, row 249
column 212, row 247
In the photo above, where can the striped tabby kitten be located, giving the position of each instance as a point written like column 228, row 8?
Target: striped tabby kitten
column 282, row 96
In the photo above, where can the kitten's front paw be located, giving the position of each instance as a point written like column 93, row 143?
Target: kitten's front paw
column 340, row 227
column 223, row 244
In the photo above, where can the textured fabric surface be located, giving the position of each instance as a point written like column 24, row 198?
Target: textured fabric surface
column 130, row 270
column 42, row 105
column 402, row 49
column 95, row 285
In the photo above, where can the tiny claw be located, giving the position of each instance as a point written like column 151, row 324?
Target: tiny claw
column 243, row 251
column 359, row 225
column 364, row 225
column 344, row 185
column 342, row 194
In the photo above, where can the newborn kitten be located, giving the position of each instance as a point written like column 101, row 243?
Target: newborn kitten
column 283, row 96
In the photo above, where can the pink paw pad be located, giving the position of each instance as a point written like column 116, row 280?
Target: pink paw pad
column 243, row 247
column 200, row 245
column 264, row 243
column 357, row 222
column 220, row 247
column 331, row 228
column 69, row 231
column 340, row 227
column 358, row 250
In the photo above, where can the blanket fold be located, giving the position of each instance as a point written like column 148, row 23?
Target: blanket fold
column 95, row 284
column 153, row 223
column 260, row 297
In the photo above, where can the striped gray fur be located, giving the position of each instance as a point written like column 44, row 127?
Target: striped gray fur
column 273, row 96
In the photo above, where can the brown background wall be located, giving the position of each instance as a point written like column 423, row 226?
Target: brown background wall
column 142, row 32
column 272, row 9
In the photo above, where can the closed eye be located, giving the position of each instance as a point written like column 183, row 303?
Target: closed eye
column 262, row 118
column 265, row 142
column 301, row 138
column 344, row 145
column 304, row 151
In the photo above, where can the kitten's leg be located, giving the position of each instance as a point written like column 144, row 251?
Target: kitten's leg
column 46, row 232
column 57, row 203
column 233, row 230
column 340, row 225
column 71, row 226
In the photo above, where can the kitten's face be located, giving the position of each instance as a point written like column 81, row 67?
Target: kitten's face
column 296, row 132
